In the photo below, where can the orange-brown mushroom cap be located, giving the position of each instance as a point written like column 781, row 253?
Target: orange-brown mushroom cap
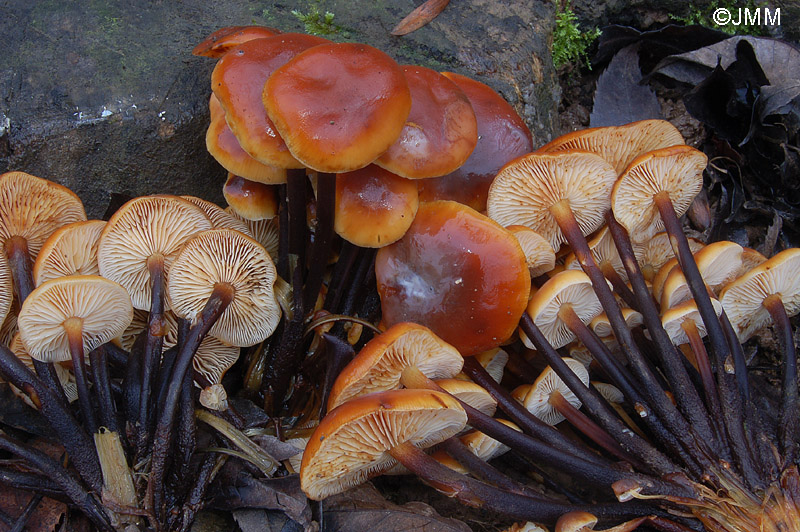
column 458, row 273
column 338, row 106
column 238, row 81
column 374, row 207
column 380, row 363
column 502, row 137
column 224, row 147
column 221, row 41
column 250, row 200
column 350, row 444
column 619, row 145
column 440, row 132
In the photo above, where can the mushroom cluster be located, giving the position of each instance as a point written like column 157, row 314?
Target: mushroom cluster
column 408, row 275
column 72, row 289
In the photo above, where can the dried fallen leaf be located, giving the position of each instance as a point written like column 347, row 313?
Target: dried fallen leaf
column 420, row 16
column 46, row 516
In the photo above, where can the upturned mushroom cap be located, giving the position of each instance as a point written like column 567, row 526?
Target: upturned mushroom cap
column 673, row 318
column 539, row 255
column 380, row 363
column 603, row 250
column 214, row 358
column 220, row 219
column 33, row 208
column 473, row 394
column 71, row 250
column 577, row 521
column 570, row 287
column 350, row 444
column 142, row 228
column 214, row 397
column 527, row 188
column 502, row 137
column 602, row 326
column 227, row 256
column 718, row 263
column 224, row 39
column 238, row 82
column 440, row 132
column 656, row 251
column 742, row 299
column 619, row 145
column 494, row 361
column 677, row 170
column 224, row 147
column 249, row 199
column 338, row 106
column 458, row 273
column 537, row 400
column 374, row 207
column 483, row 446
column 103, row 307
column 265, row 231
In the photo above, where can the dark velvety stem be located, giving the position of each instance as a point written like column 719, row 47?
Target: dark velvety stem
column 195, row 501
column 75, row 439
column 68, row 484
column 477, row 494
column 187, row 431
column 32, row 482
column 599, row 409
column 323, row 238
column 591, row 430
column 27, row 513
column 706, row 374
column 599, row 474
column 102, row 385
column 21, row 266
column 218, row 301
column 526, row 421
column 117, row 356
column 283, row 233
column 289, row 352
column 788, row 424
column 482, row 469
column 132, row 384
column 151, row 354
column 340, row 275
column 739, row 362
column 620, row 288
column 75, row 338
column 338, row 354
column 296, row 183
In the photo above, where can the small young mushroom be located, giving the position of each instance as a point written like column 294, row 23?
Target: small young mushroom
column 250, row 200
column 224, row 39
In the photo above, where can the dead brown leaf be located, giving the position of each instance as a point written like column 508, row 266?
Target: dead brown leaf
column 420, row 16
column 46, row 516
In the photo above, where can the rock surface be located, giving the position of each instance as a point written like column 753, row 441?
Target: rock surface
column 106, row 97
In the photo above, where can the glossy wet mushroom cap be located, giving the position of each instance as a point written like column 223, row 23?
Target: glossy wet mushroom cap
column 526, row 189
column 225, row 256
column 238, row 82
column 440, row 132
column 250, row 200
column 458, row 273
column 374, row 207
column 619, row 145
column 502, row 137
column 379, row 364
column 103, row 307
column 350, row 444
column 338, row 106
column 224, row 39
column 224, row 147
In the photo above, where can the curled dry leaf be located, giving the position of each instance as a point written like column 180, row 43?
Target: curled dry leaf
column 420, row 16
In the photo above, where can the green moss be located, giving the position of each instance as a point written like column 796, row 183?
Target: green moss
column 705, row 17
column 315, row 21
column 570, row 43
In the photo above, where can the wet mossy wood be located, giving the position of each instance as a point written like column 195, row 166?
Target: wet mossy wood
column 105, row 96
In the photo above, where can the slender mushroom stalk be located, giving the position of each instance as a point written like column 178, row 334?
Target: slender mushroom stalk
column 224, row 285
